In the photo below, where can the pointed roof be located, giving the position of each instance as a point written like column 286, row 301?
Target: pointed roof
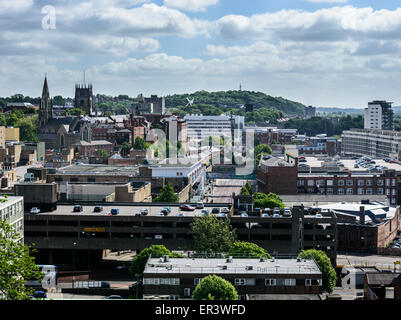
column 45, row 90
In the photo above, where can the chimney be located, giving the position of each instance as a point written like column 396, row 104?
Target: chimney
column 362, row 215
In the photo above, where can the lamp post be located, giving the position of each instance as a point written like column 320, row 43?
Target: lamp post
column 73, row 270
column 88, row 236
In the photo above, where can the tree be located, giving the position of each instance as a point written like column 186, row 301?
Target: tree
column 58, row 101
column 125, row 148
column 241, row 249
column 16, row 265
column 271, row 200
column 324, row 264
column 75, row 112
column 28, row 129
column 212, row 235
column 167, row 194
column 246, row 189
column 139, row 261
column 213, row 287
column 103, row 153
column 13, row 117
column 3, row 121
column 140, row 144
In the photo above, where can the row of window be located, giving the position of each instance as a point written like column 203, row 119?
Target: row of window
column 289, row 282
column 348, row 182
column 11, row 210
column 359, row 191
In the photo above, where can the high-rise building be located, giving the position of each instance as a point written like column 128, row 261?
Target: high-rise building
column 379, row 115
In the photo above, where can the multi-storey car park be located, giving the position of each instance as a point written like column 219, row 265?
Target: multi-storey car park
column 63, row 233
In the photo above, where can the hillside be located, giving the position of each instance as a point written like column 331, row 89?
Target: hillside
column 229, row 100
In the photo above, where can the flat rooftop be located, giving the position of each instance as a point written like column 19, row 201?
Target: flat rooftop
column 237, row 266
column 98, row 169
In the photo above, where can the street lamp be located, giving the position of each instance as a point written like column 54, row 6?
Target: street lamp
column 88, row 236
column 73, row 270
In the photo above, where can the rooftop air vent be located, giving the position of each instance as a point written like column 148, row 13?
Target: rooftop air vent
column 249, row 267
column 166, row 258
column 262, row 260
column 223, row 267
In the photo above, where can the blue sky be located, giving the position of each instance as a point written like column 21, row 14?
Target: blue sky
column 318, row 52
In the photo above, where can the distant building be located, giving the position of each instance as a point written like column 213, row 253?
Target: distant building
column 12, row 211
column 379, row 115
column 84, row 98
column 310, row 112
column 159, row 104
column 378, row 144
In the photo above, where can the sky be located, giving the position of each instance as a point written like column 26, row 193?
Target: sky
column 325, row 53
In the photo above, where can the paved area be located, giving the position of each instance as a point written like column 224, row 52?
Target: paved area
column 382, row 262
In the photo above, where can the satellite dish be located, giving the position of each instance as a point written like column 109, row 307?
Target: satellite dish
column 190, row 102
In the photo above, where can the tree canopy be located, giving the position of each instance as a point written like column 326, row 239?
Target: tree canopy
column 16, row 265
column 139, row 261
column 167, row 194
column 241, row 249
column 213, row 287
column 246, row 190
column 212, row 234
column 271, row 200
column 325, row 266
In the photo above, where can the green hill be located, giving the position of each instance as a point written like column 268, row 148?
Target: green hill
column 232, row 99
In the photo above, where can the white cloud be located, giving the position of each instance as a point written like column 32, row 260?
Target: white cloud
column 190, row 5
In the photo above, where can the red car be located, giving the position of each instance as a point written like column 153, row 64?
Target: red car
column 187, row 207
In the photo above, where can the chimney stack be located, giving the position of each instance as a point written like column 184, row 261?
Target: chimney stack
column 362, row 215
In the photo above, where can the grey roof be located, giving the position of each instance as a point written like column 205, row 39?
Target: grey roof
column 383, row 279
column 279, row 297
column 271, row 161
column 237, row 266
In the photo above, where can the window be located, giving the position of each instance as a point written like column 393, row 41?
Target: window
column 341, row 183
column 350, row 182
column 329, row 190
column 369, row 191
column 301, row 183
column 361, row 191
column 380, row 191
column 270, row 282
column 240, row 282
column 311, row 183
column 380, row 183
column 394, row 183
column 244, row 282
column 340, row 191
column 308, row 282
column 197, row 281
column 329, row 183
column 350, row 191
column 289, row 282
column 187, row 292
column 369, row 183
column 388, row 181
column 361, row 183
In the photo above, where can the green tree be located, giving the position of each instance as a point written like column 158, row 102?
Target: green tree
column 125, row 148
column 16, row 265
column 167, row 194
column 3, row 121
column 28, row 128
column 325, row 266
column 58, row 101
column 103, row 153
column 13, row 117
column 271, row 200
column 140, row 144
column 213, row 287
column 75, row 112
column 212, row 235
column 139, row 261
column 246, row 189
column 241, row 249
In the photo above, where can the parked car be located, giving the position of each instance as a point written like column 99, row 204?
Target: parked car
column 165, row 212
column 39, row 294
column 276, row 215
column 215, row 210
column 265, row 215
column 160, row 214
column 205, row 211
column 287, row 212
column 187, row 207
column 200, row 205
column 77, row 208
column 276, row 211
column 221, row 215
column 167, row 209
column 35, row 210
column 114, row 296
column 225, row 210
column 244, row 215
column 144, row 212
column 114, row 212
column 98, row 209
column 319, row 215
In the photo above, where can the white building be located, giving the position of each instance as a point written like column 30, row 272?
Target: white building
column 12, row 210
column 199, row 126
column 379, row 115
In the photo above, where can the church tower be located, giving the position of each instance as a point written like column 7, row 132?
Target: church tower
column 46, row 106
column 84, row 98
